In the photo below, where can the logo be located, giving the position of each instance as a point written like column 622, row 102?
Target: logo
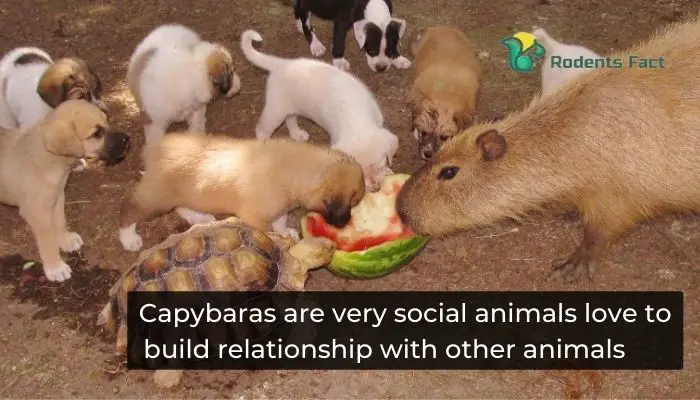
column 523, row 51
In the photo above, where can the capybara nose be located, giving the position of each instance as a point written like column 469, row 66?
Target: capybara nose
column 427, row 154
column 380, row 67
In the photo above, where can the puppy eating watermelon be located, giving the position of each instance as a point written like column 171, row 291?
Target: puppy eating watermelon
column 375, row 242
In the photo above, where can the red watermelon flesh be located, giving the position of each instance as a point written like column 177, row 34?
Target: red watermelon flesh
column 374, row 221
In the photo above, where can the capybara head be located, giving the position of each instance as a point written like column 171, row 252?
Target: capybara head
column 220, row 69
column 342, row 187
column 452, row 191
column 70, row 78
column 79, row 129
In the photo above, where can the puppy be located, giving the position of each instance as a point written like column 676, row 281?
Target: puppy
column 32, row 84
column 257, row 181
column 554, row 76
column 35, row 163
column 173, row 74
column 446, row 85
column 335, row 100
column 376, row 31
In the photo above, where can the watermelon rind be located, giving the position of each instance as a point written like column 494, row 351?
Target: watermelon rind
column 375, row 262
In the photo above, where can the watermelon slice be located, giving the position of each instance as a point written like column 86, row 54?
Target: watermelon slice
column 375, row 242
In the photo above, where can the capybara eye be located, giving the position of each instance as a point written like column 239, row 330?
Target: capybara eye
column 448, row 173
column 444, row 137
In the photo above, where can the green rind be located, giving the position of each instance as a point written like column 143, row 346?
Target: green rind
column 377, row 261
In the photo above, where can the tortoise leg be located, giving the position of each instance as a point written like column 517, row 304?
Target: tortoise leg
column 167, row 378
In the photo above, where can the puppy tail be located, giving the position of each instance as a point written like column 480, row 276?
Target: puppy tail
column 261, row 60
column 8, row 61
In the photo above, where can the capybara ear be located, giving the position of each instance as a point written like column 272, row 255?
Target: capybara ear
column 491, row 144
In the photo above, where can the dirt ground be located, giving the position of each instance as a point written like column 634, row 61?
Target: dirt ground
column 51, row 347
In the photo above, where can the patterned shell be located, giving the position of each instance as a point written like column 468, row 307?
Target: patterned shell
column 231, row 257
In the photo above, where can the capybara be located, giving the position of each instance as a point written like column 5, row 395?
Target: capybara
column 447, row 76
column 619, row 145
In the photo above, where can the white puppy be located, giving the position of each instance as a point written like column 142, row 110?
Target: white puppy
column 173, row 75
column 32, row 85
column 554, row 76
column 336, row 100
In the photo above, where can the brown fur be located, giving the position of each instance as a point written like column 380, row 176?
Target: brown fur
column 133, row 81
column 446, row 84
column 220, row 70
column 68, row 78
column 255, row 180
column 618, row 145
column 35, row 164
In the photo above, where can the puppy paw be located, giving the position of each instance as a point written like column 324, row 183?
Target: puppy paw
column 401, row 62
column 130, row 240
column 70, row 242
column 317, row 48
column 194, row 217
column 341, row 63
column 57, row 273
column 299, row 135
column 300, row 28
column 80, row 166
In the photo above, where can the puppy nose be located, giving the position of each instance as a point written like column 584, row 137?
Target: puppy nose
column 380, row 67
column 427, row 154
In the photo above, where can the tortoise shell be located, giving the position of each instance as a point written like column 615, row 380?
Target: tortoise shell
column 231, row 257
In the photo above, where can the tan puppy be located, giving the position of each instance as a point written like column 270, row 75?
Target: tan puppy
column 445, row 88
column 259, row 181
column 35, row 164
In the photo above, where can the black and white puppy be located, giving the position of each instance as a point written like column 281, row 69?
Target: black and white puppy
column 376, row 31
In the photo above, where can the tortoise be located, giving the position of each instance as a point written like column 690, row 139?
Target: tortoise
column 225, row 255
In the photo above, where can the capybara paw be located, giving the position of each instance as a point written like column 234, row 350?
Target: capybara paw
column 70, row 242
column 299, row 135
column 572, row 269
column 58, row 272
column 401, row 62
column 130, row 240
column 166, row 378
column 317, row 48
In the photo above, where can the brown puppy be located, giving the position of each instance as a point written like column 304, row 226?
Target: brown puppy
column 620, row 145
column 258, row 181
column 35, row 164
column 445, row 88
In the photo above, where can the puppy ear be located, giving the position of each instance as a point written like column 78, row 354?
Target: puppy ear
column 220, row 70
column 53, row 86
column 491, row 144
column 60, row 139
column 402, row 26
column 63, row 80
column 463, row 120
column 360, row 34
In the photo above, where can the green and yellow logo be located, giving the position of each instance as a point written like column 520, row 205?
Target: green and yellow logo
column 523, row 51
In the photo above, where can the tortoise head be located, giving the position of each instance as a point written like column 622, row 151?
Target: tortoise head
column 305, row 255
